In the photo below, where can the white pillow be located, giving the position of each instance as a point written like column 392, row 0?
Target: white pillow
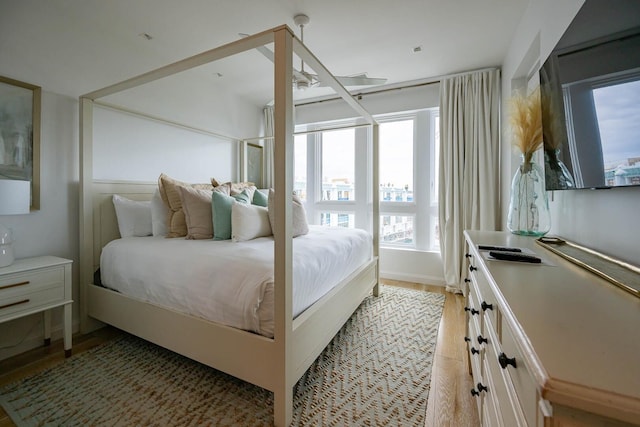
column 249, row 222
column 134, row 217
column 299, row 221
column 159, row 215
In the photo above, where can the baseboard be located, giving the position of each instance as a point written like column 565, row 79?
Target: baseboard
column 414, row 278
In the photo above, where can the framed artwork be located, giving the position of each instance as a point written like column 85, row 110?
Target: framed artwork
column 20, row 134
column 254, row 164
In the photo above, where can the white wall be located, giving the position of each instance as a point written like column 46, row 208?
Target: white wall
column 399, row 264
column 605, row 220
column 131, row 147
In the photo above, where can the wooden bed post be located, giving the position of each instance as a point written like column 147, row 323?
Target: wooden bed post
column 283, row 245
column 376, row 203
column 87, row 324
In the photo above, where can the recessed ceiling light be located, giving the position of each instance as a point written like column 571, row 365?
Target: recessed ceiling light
column 417, row 49
column 146, row 36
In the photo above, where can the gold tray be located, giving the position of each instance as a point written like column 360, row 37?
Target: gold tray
column 621, row 274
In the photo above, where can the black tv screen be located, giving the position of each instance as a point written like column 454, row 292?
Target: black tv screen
column 590, row 91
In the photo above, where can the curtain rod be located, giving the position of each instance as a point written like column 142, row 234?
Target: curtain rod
column 305, row 132
column 426, row 82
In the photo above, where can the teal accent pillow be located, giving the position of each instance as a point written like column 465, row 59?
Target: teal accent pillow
column 221, row 212
column 260, row 199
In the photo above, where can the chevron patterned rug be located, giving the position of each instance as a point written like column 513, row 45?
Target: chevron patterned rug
column 375, row 372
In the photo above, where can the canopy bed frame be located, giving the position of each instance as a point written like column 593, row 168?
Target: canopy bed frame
column 274, row 364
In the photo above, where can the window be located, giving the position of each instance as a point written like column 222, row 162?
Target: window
column 396, row 230
column 300, row 166
column 338, row 164
column 338, row 172
column 333, row 219
column 396, row 161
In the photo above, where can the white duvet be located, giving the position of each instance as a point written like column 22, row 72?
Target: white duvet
column 227, row 282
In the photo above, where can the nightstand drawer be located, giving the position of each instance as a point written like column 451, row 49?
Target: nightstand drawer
column 15, row 285
column 37, row 285
column 30, row 301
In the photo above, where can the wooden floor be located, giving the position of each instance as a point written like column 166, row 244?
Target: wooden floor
column 450, row 402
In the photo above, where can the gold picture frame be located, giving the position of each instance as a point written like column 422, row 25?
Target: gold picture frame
column 20, row 110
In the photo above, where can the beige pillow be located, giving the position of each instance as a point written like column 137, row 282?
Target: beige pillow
column 196, row 205
column 176, row 223
column 250, row 190
column 300, row 224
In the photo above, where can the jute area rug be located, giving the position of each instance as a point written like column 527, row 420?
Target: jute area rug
column 375, row 372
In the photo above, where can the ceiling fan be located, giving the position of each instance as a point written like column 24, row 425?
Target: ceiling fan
column 303, row 80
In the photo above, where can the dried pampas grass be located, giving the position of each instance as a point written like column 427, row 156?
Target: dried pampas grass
column 526, row 123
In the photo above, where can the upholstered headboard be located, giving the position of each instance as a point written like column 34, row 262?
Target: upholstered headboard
column 105, row 224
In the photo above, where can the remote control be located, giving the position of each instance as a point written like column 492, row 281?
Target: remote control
column 513, row 256
column 498, row 248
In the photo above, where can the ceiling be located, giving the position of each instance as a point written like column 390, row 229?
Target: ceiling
column 73, row 47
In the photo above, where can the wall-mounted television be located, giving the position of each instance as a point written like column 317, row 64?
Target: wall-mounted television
column 590, row 91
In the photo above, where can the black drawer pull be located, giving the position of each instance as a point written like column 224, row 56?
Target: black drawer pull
column 467, row 339
column 482, row 388
column 24, row 301
column 504, row 361
column 474, row 350
column 468, row 255
column 467, row 280
column 13, row 285
column 472, row 268
column 474, row 392
column 482, row 339
column 472, row 310
column 486, row 306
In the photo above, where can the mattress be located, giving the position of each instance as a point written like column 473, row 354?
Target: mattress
column 228, row 282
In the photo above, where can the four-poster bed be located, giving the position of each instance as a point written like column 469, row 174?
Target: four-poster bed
column 272, row 363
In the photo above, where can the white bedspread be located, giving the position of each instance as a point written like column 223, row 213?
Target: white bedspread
column 227, row 282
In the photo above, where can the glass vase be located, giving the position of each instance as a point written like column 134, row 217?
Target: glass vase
column 528, row 208
column 556, row 174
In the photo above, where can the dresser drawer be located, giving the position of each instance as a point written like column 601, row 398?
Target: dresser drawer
column 503, row 391
column 520, row 376
column 14, row 285
column 490, row 409
column 486, row 299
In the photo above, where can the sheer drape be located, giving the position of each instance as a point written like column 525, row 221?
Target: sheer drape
column 469, row 164
column 267, row 169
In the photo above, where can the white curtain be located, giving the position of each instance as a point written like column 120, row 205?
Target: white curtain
column 267, row 169
column 469, row 164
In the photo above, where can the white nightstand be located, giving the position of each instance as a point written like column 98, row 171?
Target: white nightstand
column 32, row 285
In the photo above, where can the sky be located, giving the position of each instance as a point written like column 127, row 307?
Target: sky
column 618, row 110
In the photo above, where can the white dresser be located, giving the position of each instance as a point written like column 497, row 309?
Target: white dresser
column 549, row 344
column 33, row 285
